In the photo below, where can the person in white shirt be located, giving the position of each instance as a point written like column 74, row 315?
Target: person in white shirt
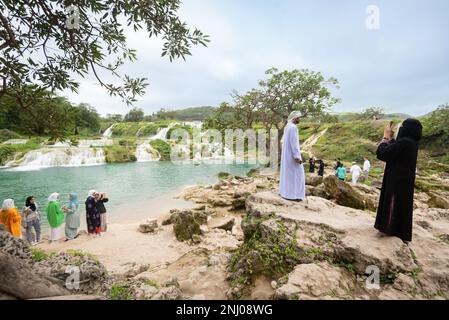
column 355, row 173
column 366, row 167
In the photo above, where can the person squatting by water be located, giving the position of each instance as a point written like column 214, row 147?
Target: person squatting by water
column 31, row 218
column 93, row 218
column 10, row 217
column 395, row 210
column 292, row 175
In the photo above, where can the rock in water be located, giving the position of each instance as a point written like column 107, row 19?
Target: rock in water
column 438, row 202
column 148, row 226
column 344, row 193
column 185, row 225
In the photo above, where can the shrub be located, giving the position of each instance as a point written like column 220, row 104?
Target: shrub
column 163, row 148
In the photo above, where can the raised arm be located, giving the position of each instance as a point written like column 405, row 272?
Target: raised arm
column 389, row 150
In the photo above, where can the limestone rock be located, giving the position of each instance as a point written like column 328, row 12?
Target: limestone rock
column 345, row 237
column 14, row 247
column 344, row 193
column 238, row 203
column 185, row 225
column 19, row 280
column 315, row 281
column 314, row 181
column 149, row 226
column 92, row 274
column 438, row 202
column 225, row 224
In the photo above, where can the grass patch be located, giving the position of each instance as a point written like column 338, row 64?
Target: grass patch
column 120, row 291
column 38, row 254
column 120, row 154
column 273, row 256
column 81, row 254
column 152, row 283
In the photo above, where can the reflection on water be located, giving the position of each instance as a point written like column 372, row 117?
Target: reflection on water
column 132, row 185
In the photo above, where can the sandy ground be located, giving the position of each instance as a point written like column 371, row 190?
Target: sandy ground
column 122, row 245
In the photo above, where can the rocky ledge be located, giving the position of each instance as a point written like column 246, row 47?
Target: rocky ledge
column 320, row 250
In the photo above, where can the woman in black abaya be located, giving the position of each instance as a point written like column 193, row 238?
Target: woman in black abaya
column 395, row 211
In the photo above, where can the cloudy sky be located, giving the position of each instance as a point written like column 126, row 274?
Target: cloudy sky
column 402, row 67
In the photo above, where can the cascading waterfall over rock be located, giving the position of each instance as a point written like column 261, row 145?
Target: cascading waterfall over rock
column 162, row 133
column 108, row 132
column 59, row 157
column 146, row 153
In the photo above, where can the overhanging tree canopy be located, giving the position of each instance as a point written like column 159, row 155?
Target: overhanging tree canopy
column 48, row 42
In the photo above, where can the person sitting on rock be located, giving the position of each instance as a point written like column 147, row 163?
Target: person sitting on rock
column 395, row 210
column 292, row 175
column 10, row 217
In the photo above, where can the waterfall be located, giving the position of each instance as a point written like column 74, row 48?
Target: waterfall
column 58, row 157
column 146, row 153
column 108, row 132
column 162, row 133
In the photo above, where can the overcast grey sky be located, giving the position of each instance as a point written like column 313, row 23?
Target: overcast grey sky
column 402, row 67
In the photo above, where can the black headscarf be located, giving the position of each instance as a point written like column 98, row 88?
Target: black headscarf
column 412, row 129
column 30, row 205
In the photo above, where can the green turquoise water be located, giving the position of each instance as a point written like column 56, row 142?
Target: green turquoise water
column 128, row 185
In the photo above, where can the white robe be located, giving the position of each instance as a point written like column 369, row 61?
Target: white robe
column 355, row 172
column 292, row 176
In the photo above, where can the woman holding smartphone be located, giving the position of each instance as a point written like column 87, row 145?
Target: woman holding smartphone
column 395, row 210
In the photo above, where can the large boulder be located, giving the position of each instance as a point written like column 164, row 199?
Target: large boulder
column 148, row 226
column 332, row 239
column 225, row 224
column 344, row 194
column 14, row 247
column 93, row 276
column 185, row 225
column 315, row 281
column 21, row 281
column 437, row 201
column 314, row 181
